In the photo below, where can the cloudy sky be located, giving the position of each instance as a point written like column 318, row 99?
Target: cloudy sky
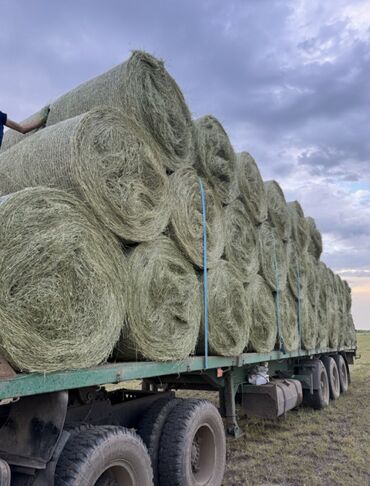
column 289, row 79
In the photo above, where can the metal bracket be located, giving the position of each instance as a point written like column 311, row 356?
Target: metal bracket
column 232, row 426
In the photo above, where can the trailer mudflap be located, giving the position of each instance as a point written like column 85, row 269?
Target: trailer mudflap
column 273, row 399
column 32, row 430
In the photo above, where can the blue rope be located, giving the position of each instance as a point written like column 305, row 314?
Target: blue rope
column 205, row 276
column 277, row 302
column 299, row 307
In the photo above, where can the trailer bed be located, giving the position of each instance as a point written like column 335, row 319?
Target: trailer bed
column 35, row 383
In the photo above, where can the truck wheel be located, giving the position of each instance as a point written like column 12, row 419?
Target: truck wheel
column 104, row 456
column 333, row 376
column 343, row 372
column 320, row 397
column 151, row 426
column 193, row 446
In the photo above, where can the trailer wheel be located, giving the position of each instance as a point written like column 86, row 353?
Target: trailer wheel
column 319, row 399
column 104, row 456
column 151, row 426
column 343, row 372
column 333, row 376
column 193, row 446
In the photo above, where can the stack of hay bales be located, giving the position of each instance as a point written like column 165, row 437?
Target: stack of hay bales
column 102, row 237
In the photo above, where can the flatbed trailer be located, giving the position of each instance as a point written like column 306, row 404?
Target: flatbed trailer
column 73, row 428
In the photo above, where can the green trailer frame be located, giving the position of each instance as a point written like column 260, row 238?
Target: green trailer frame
column 23, row 384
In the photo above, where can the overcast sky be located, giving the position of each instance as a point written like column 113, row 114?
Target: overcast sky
column 289, row 80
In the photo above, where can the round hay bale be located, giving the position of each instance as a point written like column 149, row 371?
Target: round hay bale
column 308, row 323
column 288, row 319
column 261, row 306
column 63, row 283
column 215, row 158
column 322, row 309
column 106, row 160
column 273, row 257
column 251, row 187
column 350, row 338
column 164, row 308
column 241, row 243
column 278, row 209
column 333, row 311
column 186, row 222
column 298, row 225
column 312, row 280
column 228, row 316
column 297, row 269
column 314, row 239
column 144, row 90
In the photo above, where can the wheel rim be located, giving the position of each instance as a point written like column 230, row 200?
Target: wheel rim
column 343, row 370
column 336, row 382
column 120, row 474
column 203, row 455
column 324, row 387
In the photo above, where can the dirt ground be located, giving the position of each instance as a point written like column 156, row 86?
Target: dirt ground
column 309, row 448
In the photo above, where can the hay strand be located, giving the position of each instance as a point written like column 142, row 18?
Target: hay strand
column 241, row 243
column 278, row 209
column 273, row 257
column 261, row 306
column 215, row 157
column 298, row 226
column 251, row 187
column 229, row 319
column 289, row 320
column 186, row 222
column 62, row 286
column 106, row 160
column 314, row 239
column 164, row 308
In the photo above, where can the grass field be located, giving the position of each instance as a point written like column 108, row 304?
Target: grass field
column 309, row 448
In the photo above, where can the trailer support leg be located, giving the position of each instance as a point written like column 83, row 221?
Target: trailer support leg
column 228, row 402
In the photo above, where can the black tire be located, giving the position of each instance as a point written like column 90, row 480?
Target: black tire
column 333, row 376
column 151, row 426
column 193, row 446
column 319, row 399
column 343, row 372
column 104, row 456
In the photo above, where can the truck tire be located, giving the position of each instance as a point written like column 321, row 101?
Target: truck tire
column 151, row 426
column 104, row 456
column 319, row 399
column 343, row 372
column 193, row 446
column 333, row 376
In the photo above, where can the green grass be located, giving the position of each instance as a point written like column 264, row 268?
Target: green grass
column 309, row 448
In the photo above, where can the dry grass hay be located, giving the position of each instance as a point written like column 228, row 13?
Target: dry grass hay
column 298, row 225
column 273, row 257
column 11, row 137
column 215, row 158
column 261, row 306
column 228, row 316
column 308, row 323
column 164, row 308
column 288, row 320
column 144, row 90
column 323, row 306
column 105, row 159
column 186, row 222
column 314, row 239
column 251, row 187
column 241, row 243
column 63, row 283
column 297, row 269
column 333, row 311
column 278, row 209
column 312, row 273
